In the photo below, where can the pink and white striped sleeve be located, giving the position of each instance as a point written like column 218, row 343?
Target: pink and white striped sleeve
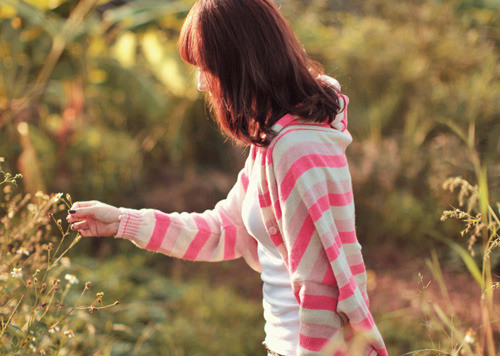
column 317, row 226
column 214, row 235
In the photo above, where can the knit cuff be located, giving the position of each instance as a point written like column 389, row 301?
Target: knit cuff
column 130, row 224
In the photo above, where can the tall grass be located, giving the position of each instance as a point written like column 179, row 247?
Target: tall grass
column 480, row 227
column 36, row 277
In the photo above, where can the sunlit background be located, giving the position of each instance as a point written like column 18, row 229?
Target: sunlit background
column 96, row 102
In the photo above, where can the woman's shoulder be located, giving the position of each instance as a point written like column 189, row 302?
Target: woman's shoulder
column 309, row 137
column 301, row 145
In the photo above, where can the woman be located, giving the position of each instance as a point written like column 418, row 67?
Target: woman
column 290, row 214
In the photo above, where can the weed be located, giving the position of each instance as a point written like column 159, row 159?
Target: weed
column 36, row 309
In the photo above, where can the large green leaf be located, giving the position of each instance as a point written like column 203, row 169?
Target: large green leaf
column 139, row 13
column 467, row 259
column 165, row 64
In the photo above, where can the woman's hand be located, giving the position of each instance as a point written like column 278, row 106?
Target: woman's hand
column 93, row 218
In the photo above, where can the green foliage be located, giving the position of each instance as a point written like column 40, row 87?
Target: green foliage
column 403, row 332
column 163, row 316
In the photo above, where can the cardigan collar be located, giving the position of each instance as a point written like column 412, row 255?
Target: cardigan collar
column 285, row 121
column 339, row 123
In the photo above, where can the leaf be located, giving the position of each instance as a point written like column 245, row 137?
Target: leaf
column 49, row 22
column 28, row 162
column 468, row 260
column 124, row 49
column 163, row 63
column 142, row 12
column 7, row 12
column 435, row 268
column 15, row 330
column 483, row 191
column 455, row 128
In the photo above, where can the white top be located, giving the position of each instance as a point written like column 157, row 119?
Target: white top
column 281, row 310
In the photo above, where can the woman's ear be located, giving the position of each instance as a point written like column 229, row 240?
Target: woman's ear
column 202, row 81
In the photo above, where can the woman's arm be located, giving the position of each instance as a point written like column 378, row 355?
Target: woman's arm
column 214, row 235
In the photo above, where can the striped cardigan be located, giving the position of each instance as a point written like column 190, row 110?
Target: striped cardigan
column 306, row 201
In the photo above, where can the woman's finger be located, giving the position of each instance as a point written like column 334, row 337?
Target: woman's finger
column 83, row 204
column 82, row 213
column 71, row 217
column 80, row 225
column 85, row 233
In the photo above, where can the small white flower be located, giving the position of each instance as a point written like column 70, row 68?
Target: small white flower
column 32, row 347
column 71, row 278
column 17, row 272
column 2, row 159
column 23, row 251
column 57, row 197
column 469, row 337
column 65, row 261
column 10, row 215
column 53, row 329
column 69, row 333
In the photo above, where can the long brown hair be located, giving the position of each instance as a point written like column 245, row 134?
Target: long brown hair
column 256, row 67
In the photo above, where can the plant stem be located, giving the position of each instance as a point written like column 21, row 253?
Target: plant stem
column 11, row 316
column 482, row 179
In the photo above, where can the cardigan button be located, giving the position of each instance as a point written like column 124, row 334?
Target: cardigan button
column 273, row 230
